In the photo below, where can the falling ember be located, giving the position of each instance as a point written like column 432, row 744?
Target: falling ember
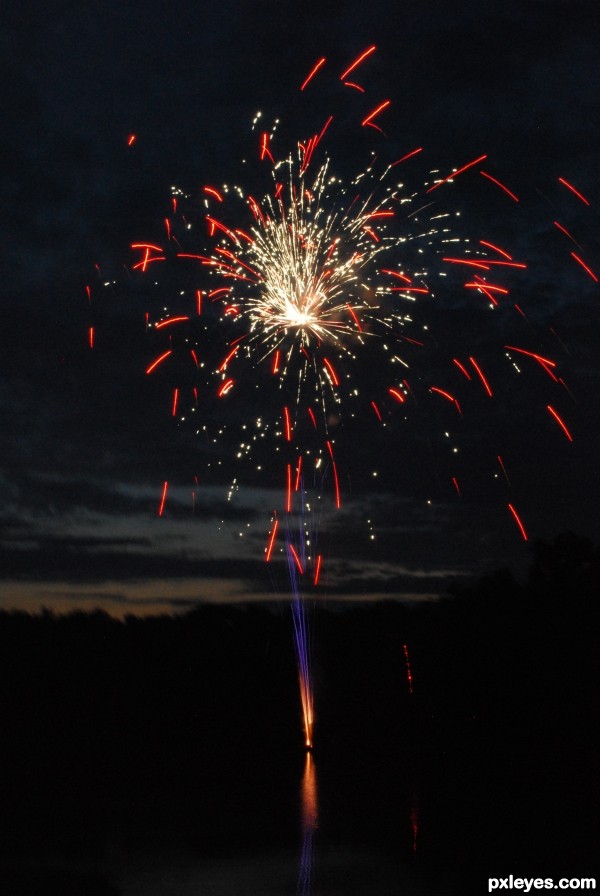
column 479, row 372
column 518, row 521
column 91, row 337
column 501, row 185
column 317, row 570
column 585, row 267
column 131, row 139
column 158, row 361
column 313, row 72
column 575, row 192
column 272, row 537
column 226, row 387
column 560, row 422
column 163, row 498
column 456, row 173
column 357, row 62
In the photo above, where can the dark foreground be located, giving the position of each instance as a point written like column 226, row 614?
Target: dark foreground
column 164, row 756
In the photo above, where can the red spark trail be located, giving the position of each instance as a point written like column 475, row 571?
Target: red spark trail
column 225, row 388
column 376, row 409
column 355, row 86
column 357, row 62
column 455, row 483
column 456, row 173
column 272, row 540
column 573, row 190
column 565, row 231
column 163, row 499
column 264, row 148
column 539, row 358
column 146, row 246
column 354, row 317
column 287, row 425
column 461, row 368
column 158, row 361
column 483, row 285
column 396, row 274
column 501, row 185
column 518, row 521
column 584, row 266
column 211, row 191
column 296, row 559
column 175, row 400
column 91, row 337
column 214, row 224
column 298, row 472
column 469, row 262
column 332, row 372
column 496, row 249
column 375, row 112
column 170, row 320
column 408, row 155
column 317, row 570
column 397, row 395
column 313, row 72
column 560, row 422
column 481, row 376
column 131, row 140
column 448, row 397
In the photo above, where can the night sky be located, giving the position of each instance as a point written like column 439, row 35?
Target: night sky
column 87, row 438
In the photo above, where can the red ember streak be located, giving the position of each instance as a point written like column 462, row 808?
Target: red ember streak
column 518, row 521
column 313, row 72
column 560, row 422
column 357, row 62
column 573, row 190
column 163, row 499
column 456, row 173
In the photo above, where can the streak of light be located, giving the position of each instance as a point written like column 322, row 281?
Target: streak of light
column 587, row 269
column 573, row 190
column 456, row 173
column 375, row 112
column 273, row 535
column 518, row 521
column 501, row 185
column 161, row 507
column 170, row 320
column 496, row 249
column 560, row 422
column 158, row 361
column 481, row 376
column 313, row 72
column 357, row 62
column 317, row 570
column 296, row 559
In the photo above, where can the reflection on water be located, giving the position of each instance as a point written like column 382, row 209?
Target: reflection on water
column 309, row 815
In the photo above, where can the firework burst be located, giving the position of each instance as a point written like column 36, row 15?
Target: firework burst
column 298, row 313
